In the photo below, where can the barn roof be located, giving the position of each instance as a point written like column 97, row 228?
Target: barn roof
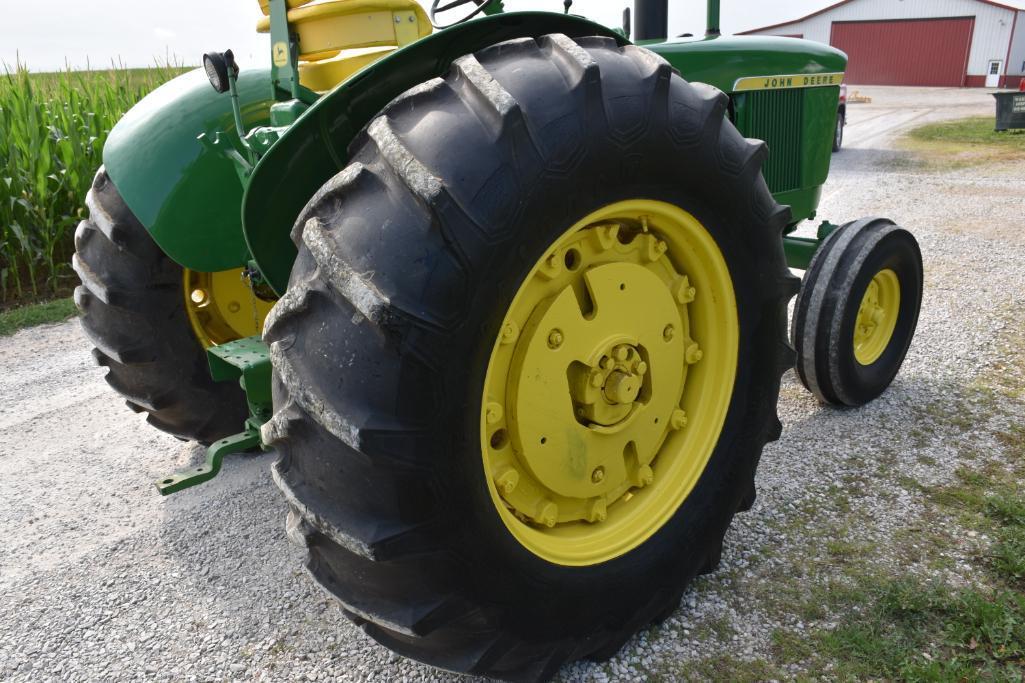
column 1013, row 5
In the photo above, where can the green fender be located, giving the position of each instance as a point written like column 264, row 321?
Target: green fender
column 186, row 195
column 314, row 148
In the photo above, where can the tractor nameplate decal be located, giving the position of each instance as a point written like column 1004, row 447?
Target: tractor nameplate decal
column 787, row 81
column 280, row 53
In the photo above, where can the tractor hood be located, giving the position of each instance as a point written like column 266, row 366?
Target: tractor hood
column 722, row 61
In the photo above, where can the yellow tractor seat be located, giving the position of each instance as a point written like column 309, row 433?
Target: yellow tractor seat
column 334, row 36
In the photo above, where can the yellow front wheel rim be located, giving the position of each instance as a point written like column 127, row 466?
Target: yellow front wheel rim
column 222, row 306
column 877, row 317
column 609, row 383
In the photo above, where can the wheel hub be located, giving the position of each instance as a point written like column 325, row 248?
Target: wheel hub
column 223, row 306
column 877, row 317
column 605, row 393
column 589, row 388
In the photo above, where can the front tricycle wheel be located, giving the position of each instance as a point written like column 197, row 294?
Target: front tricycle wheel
column 529, row 356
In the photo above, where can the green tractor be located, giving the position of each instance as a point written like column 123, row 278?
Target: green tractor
column 508, row 297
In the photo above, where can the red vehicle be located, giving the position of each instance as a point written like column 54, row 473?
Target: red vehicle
column 841, row 118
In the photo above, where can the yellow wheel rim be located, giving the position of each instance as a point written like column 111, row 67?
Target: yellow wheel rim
column 222, row 306
column 609, row 383
column 877, row 317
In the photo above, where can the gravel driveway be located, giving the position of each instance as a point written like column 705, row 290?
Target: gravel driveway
column 102, row 579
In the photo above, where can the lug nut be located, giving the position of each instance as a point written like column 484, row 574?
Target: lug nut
column 555, row 339
column 641, row 367
column 598, row 475
column 509, row 332
column 549, row 514
column 597, row 378
column 682, row 290
column 493, row 414
column 643, row 476
column 621, row 352
column 507, row 479
column 694, row 354
column 678, row 420
column 667, row 333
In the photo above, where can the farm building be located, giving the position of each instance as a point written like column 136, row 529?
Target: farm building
column 920, row 42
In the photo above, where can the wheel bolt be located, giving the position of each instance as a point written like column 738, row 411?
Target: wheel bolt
column 641, row 368
column 555, row 339
column 493, row 414
column 667, row 333
column 598, row 475
column 621, row 352
column 509, row 332
column 694, row 354
column 507, row 479
column 678, row 420
column 683, row 292
column 643, row 476
column 549, row 514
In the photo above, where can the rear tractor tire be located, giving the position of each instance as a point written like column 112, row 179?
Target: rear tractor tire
column 529, row 356
column 134, row 312
column 857, row 311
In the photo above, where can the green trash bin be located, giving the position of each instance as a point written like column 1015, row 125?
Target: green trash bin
column 1010, row 110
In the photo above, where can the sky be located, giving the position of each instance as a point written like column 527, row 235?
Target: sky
column 47, row 34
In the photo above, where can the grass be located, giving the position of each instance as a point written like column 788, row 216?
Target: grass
column 962, row 143
column 902, row 627
column 54, row 128
column 54, row 311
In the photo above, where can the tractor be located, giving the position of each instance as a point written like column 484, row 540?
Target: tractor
column 508, row 297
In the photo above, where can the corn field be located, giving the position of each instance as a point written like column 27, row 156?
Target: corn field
column 53, row 128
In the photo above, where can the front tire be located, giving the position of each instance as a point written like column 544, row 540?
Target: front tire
column 459, row 195
column 857, row 311
column 841, row 121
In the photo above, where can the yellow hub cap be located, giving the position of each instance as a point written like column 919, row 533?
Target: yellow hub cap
column 222, row 306
column 877, row 317
column 609, row 383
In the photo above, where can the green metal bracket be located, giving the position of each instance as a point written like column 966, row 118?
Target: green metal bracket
column 248, row 361
column 800, row 250
column 183, row 479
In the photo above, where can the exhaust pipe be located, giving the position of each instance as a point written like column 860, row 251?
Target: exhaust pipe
column 712, row 18
column 651, row 19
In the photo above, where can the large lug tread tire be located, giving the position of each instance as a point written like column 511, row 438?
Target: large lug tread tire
column 134, row 314
column 826, row 309
column 405, row 269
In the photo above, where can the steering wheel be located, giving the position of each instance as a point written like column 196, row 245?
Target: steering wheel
column 435, row 10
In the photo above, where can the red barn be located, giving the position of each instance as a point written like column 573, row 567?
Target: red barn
column 920, row 42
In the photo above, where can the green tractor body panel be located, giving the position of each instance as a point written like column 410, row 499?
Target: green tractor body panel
column 315, row 147
column 187, row 195
column 190, row 197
